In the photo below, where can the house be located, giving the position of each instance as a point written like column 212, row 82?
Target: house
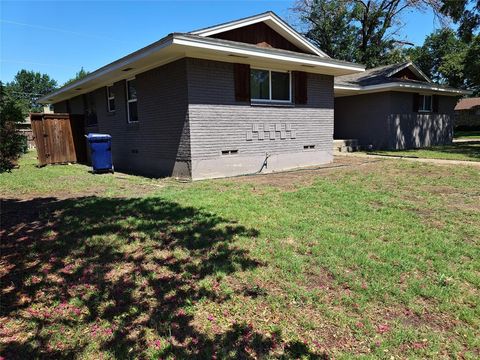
column 242, row 97
column 394, row 107
column 467, row 114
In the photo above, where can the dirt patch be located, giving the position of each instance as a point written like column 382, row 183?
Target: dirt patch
column 294, row 179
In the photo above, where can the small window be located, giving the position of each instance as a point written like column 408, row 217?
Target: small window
column 308, row 147
column 132, row 101
column 110, row 99
column 425, row 103
column 268, row 85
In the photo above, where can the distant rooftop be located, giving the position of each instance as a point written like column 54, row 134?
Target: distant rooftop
column 468, row 103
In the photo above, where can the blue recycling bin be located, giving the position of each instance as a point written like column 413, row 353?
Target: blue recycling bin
column 101, row 152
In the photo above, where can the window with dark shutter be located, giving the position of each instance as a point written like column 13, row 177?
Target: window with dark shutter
column 300, row 79
column 242, row 82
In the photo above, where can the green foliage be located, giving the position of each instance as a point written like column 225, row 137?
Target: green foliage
column 12, row 143
column 441, row 57
column 27, row 87
column 447, row 59
column 355, row 30
column 78, row 76
column 472, row 65
column 465, row 13
column 331, row 28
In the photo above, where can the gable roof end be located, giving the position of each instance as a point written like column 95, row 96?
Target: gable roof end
column 274, row 22
column 413, row 68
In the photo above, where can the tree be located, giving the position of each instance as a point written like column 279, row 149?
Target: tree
column 12, row 143
column 331, row 28
column 442, row 57
column 79, row 75
column 368, row 26
column 27, row 87
column 466, row 13
column 472, row 65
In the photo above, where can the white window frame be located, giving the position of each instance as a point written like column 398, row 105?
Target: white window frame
column 110, row 98
column 130, row 101
column 421, row 105
column 270, row 100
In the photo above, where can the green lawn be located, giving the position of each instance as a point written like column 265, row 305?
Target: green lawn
column 467, row 135
column 375, row 260
column 469, row 151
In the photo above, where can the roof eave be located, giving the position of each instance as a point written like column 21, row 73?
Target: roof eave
column 358, row 90
column 181, row 43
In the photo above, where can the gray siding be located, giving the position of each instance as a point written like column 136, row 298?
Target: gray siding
column 387, row 121
column 363, row 117
column 408, row 129
column 219, row 123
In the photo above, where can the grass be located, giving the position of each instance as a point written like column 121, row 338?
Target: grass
column 378, row 260
column 467, row 135
column 467, row 151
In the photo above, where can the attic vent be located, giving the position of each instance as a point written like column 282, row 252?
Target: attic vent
column 308, row 66
column 307, row 147
column 127, row 69
column 229, row 152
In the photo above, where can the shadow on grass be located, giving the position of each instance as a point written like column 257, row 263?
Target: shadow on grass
column 470, row 150
column 89, row 275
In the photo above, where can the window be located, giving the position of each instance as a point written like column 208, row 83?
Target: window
column 425, row 103
column 132, row 101
column 110, row 99
column 268, row 85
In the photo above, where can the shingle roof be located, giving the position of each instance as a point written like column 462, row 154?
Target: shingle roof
column 468, row 103
column 378, row 75
column 374, row 76
column 383, row 75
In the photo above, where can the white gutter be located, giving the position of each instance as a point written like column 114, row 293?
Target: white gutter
column 204, row 43
column 398, row 86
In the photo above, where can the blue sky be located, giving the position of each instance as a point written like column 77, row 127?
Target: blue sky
column 60, row 37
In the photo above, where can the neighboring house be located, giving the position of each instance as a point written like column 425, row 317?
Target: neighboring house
column 394, row 107
column 467, row 114
column 232, row 99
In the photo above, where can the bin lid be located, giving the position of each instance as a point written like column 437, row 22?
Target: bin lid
column 94, row 136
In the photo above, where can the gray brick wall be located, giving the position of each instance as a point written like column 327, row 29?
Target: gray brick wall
column 188, row 115
column 219, row 123
column 158, row 145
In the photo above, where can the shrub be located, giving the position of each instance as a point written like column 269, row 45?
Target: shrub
column 12, row 143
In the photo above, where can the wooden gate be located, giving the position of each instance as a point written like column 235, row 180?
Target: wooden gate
column 53, row 138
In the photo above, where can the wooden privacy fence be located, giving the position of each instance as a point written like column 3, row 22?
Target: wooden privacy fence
column 59, row 138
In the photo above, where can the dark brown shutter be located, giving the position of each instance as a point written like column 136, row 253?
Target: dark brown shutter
column 242, row 82
column 416, row 102
column 300, row 89
column 435, row 103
